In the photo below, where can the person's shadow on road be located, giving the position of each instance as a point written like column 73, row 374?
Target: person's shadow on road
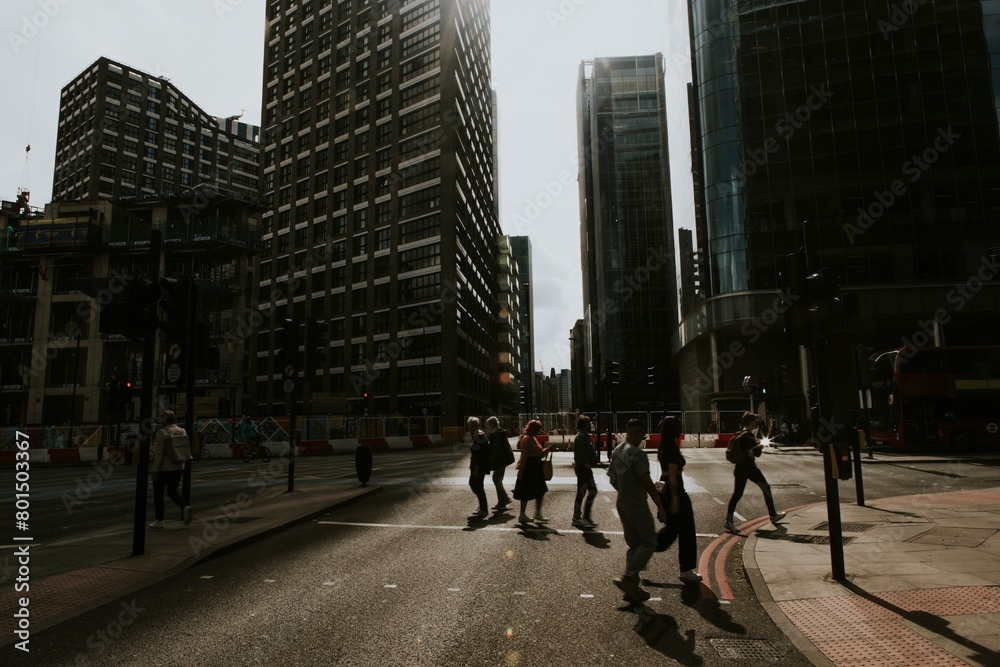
column 661, row 633
column 710, row 610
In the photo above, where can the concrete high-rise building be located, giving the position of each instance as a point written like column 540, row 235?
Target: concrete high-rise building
column 124, row 133
column 378, row 177
column 627, row 232
column 521, row 250
column 883, row 135
column 511, row 375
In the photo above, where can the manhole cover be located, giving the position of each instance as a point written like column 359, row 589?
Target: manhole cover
column 753, row 649
column 819, row 539
column 954, row 537
column 846, row 527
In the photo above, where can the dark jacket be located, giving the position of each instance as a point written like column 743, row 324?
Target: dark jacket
column 584, row 456
column 480, row 452
column 501, row 454
column 747, row 441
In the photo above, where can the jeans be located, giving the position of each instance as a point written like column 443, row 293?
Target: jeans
column 476, row 484
column 585, row 485
column 751, row 474
column 502, row 495
column 166, row 479
column 640, row 536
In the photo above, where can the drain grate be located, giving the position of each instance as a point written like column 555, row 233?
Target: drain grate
column 954, row 537
column 819, row 539
column 754, row 649
column 846, row 527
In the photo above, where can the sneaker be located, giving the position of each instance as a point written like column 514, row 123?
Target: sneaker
column 502, row 504
column 481, row 512
column 775, row 518
column 523, row 518
column 157, row 524
column 730, row 527
column 539, row 518
column 186, row 514
column 690, row 575
column 633, row 593
column 585, row 524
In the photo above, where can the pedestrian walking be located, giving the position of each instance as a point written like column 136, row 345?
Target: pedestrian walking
column 166, row 473
column 680, row 513
column 530, row 483
column 501, row 456
column 629, row 474
column 747, row 450
column 584, row 461
column 479, row 464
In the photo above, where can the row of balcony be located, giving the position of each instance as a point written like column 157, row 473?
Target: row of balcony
column 61, row 234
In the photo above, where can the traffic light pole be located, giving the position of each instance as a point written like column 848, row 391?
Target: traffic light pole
column 145, row 410
column 820, row 368
column 189, row 358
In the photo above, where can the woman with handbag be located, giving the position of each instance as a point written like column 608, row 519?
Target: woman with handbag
column 680, row 513
column 530, row 483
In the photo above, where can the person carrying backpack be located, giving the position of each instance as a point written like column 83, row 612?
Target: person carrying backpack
column 166, row 472
column 743, row 451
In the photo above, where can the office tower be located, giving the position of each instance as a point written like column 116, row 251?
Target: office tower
column 125, row 133
column 580, row 367
column 511, row 375
column 690, row 276
column 521, row 249
column 377, row 172
column 630, row 285
column 881, row 132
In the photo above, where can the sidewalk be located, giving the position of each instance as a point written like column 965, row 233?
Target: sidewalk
column 72, row 576
column 923, row 574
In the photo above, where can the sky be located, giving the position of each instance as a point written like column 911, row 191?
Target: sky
column 213, row 51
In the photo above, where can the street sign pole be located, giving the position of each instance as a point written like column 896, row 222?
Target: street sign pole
column 145, row 409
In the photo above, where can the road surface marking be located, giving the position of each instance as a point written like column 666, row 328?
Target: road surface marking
column 586, row 595
column 389, row 586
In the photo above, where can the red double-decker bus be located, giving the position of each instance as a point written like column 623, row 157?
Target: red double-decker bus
column 941, row 397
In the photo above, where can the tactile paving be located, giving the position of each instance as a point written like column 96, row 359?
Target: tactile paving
column 853, row 631
column 959, row 601
column 51, row 597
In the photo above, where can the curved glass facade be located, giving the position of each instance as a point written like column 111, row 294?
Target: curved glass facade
column 714, row 46
column 880, row 129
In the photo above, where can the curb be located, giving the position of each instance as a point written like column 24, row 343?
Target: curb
column 785, row 625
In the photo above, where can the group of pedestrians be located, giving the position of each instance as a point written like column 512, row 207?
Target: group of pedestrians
column 629, row 474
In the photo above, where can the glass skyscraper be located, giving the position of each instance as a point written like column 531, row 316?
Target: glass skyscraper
column 880, row 129
column 627, row 232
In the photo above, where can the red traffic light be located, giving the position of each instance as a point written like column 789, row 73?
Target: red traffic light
column 128, row 385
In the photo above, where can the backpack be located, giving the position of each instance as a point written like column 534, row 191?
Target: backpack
column 178, row 448
column 735, row 453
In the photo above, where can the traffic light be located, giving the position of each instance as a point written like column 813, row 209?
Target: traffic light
column 317, row 348
column 176, row 305
column 115, row 392
column 651, row 376
column 127, row 393
column 793, row 281
column 614, row 373
column 132, row 311
column 365, row 403
column 286, row 346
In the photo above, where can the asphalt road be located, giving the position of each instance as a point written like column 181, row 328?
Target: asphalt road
column 405, row 578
